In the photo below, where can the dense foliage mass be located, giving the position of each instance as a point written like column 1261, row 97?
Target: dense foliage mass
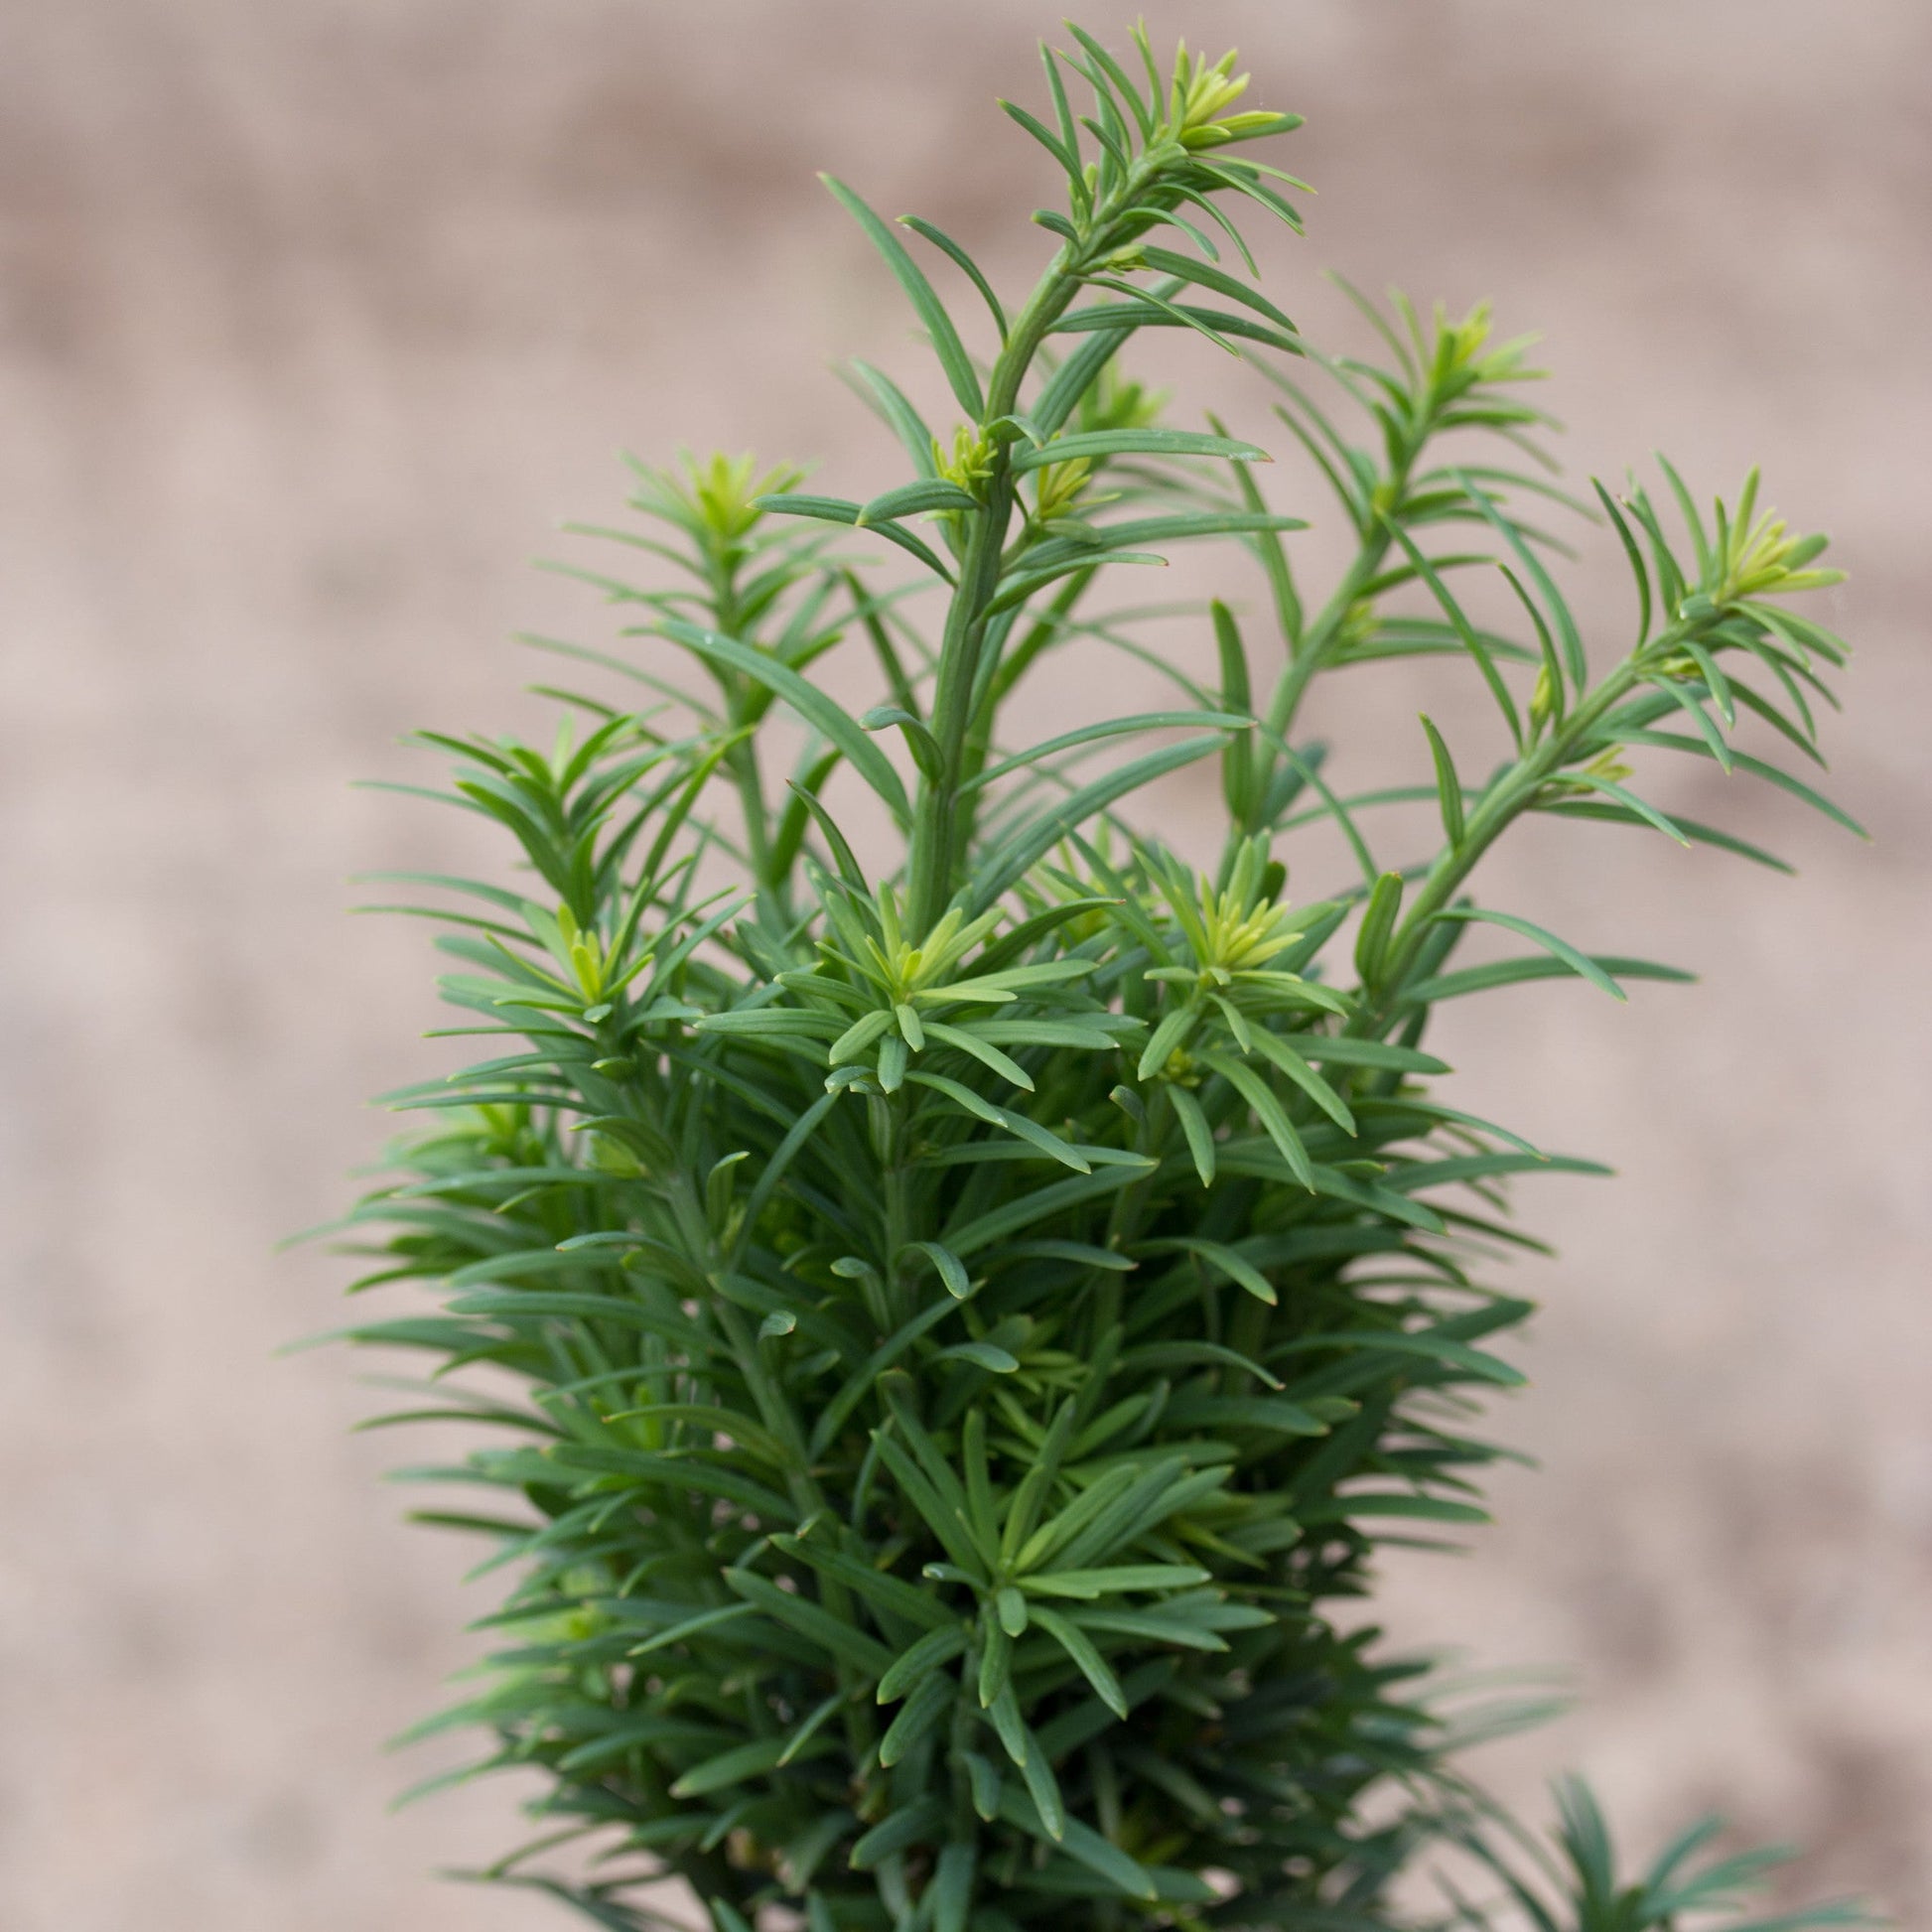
column 964, row 1333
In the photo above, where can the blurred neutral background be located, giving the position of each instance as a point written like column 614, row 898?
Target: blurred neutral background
column 315, row 317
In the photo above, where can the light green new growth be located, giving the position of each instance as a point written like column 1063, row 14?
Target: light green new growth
column 963, row 1333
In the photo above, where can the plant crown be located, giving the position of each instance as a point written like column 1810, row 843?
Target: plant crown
column 963, row 1330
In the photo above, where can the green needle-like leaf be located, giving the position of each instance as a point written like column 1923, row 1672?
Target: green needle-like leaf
column 919, row 292
column 1578, row 962
column 1138, row 442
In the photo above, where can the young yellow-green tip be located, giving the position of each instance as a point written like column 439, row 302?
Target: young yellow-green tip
column 722, row 491
column 1763, row 558
column 1201, row 94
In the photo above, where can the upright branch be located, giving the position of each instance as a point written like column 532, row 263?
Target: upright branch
column 1156, row 154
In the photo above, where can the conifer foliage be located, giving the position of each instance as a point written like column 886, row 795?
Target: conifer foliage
column 955, row 1334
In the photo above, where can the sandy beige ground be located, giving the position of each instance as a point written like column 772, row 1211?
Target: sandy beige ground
column 313, row 318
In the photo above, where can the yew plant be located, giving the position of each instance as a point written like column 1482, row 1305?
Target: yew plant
column 955, row 1334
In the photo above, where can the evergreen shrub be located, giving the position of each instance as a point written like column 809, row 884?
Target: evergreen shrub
column 962, row 1327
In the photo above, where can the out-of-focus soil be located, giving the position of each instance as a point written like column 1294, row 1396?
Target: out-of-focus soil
column 315, row 317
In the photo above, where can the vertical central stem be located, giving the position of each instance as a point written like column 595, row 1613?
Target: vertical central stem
column 933, row 856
